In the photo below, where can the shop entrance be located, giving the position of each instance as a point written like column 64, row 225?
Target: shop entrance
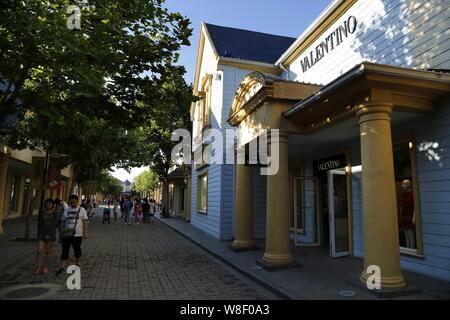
column 333, row 204
column 338, row 213
column 333, row 212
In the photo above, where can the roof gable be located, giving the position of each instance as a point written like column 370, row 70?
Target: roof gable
column 248, row 45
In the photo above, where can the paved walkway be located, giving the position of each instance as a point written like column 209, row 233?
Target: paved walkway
column 319, row 277
column 148, row 261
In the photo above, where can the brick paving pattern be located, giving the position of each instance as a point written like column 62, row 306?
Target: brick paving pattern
column 147, row 261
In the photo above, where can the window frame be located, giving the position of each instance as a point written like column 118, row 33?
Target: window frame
column 204, row 104
column 199, row 193
column 296, row 173
column 408, row 137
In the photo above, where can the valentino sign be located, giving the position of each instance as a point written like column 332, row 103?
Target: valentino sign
column 329, row 43
column 321, row 166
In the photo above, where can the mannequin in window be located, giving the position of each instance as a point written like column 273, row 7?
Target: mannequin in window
column 407, row 217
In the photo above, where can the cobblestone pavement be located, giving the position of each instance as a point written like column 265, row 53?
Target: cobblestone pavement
column 147, row 261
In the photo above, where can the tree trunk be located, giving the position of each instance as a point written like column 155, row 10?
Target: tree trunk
column 39, row 194
column 165, row 200
column 30, row 213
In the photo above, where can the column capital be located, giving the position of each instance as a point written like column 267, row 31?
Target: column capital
column 370, row 111
column 280, row 136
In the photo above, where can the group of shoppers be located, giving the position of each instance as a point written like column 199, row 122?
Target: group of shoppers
column 142, row 210
column 70, row 221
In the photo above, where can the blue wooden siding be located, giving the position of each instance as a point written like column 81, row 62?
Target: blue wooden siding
column 209, row 222
column 405, row 33
column 227, row 199
column 232, row 77
column 218, row 221
column 434, row 185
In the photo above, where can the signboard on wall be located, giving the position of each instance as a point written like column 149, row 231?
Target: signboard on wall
column 54, row 175
column 321, row 166
column 329, row 43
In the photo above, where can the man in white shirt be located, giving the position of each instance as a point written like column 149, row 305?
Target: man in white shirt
column 74, row 218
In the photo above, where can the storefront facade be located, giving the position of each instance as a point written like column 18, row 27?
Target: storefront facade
column 364, row 156
column 361, row 101
column 18, row 186
column 225, row 57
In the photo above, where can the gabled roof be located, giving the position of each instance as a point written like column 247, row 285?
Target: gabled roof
column 251, row 50
column 248, row 45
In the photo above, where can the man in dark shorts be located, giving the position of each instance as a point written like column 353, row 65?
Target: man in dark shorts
column 76, row 218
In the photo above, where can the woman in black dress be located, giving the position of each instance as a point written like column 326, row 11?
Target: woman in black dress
column 48, row 223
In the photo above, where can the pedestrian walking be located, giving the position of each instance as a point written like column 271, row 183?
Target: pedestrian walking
column 116, row 210
column 146, row 211
column 106, row 215
column 47, row 225
column 127, row 207
column 74, row 225
column 60, row 207
column 153, row 209
column 122, row 211
column 89, row 207
column 137, row 210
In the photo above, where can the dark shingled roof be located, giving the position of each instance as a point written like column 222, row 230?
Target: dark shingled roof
column 248, row 45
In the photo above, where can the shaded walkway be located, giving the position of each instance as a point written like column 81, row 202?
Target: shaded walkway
column 319, row 277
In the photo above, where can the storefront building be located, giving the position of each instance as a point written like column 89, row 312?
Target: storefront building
column 225, row 57
column 18, row 184
column 177, row 192
column 362, row 105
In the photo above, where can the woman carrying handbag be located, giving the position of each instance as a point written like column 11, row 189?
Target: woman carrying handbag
column 74, row 227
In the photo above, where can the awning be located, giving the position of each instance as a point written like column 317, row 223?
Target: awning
column 408, row 90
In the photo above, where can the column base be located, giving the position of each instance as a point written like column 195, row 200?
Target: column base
column 278, row 266
column 241, row 248
column 241, row 245
column 275, row 259
column 396, row 282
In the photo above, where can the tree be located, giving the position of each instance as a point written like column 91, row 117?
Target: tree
column 154, row 138
column 109, row 185
column 122, row 54
column 78, row 93
column 147, row 181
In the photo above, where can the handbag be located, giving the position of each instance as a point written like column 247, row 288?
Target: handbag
column 68, row 233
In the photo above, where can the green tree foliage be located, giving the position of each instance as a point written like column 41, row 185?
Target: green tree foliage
column 109, row 185
column 122, row 54
column 154, row 137
column 146, row 181
column 81, row 92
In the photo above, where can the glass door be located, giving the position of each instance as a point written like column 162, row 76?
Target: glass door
column 338, row 213
column 305, row 212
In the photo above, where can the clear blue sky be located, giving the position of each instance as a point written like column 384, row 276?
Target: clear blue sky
column 282, row 17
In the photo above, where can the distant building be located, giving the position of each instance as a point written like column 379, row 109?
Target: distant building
column 126, row 187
